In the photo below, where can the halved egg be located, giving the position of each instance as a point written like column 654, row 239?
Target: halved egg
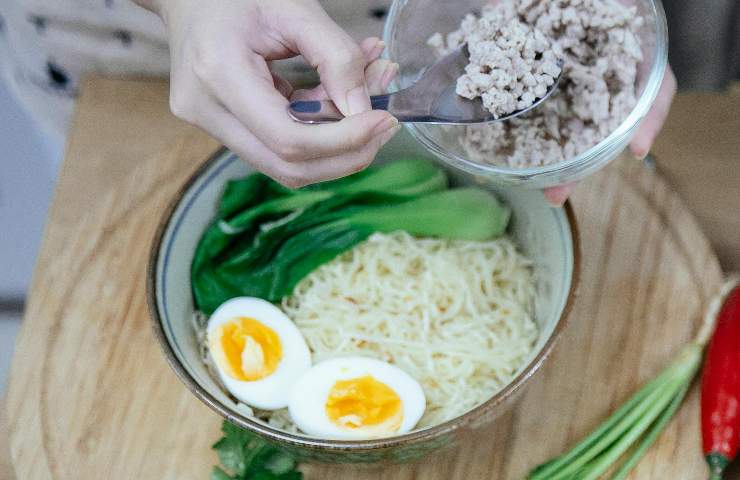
column 258, row 351
column 356, row 398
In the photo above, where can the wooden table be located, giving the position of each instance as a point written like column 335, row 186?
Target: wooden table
column 122, row 125
column 698, row 151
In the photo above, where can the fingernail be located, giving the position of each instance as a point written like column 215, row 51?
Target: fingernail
column 556, row 196
column 358, row 100
column 557, row 203
column 385, row 125
column 385, row 137
column 376, row 50
column 638, row 151
column 556, row 200
column 368, row 45
column 388, row 75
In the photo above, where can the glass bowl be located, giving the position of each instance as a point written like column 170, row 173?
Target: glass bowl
column 546, row 235
column 411, row 22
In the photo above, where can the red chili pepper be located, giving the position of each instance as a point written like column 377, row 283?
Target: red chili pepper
column 720, row 389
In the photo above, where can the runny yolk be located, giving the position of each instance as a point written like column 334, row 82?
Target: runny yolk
column 364, row 401
column 246, row 349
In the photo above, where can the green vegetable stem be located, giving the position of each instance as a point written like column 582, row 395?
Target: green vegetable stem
column 631, row 429
column 628, row 433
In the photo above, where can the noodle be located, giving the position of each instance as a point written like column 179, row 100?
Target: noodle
column 455, row 315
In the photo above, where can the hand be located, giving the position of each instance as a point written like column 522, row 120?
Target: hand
column 643, row 138
column 221, row 81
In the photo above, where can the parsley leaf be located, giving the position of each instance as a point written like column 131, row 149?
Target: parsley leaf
column 248, row 457
column 218, row 474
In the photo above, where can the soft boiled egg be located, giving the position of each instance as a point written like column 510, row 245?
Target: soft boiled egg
column 257, row 350
column 356, row 398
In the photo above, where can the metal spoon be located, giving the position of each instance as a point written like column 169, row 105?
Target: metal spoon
column 431, row 99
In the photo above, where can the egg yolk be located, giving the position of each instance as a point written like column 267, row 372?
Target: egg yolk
column 247, row 349
column 364, row 401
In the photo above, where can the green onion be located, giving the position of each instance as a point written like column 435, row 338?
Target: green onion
column 634, row 426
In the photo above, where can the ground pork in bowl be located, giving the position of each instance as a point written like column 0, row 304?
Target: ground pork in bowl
column 613, row 53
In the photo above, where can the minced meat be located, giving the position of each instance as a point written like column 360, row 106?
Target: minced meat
column 600, row 46
column 512, row 64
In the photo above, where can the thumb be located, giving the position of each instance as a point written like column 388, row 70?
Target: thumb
column 338, row 59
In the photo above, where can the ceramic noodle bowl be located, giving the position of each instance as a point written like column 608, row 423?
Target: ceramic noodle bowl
column 546, row 235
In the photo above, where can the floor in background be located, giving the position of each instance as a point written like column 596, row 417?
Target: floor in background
column 28, row 165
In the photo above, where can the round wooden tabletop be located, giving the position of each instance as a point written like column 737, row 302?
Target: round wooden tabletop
column 92, row 397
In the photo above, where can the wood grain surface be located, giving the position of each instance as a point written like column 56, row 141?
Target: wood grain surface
column 6, row 467
column 91, row 396
column 698, row 153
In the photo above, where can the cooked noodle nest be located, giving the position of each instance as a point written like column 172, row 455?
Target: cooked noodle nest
column 455, row 315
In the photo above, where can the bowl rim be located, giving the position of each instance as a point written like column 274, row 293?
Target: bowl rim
column 590, row 156
column 283, row 437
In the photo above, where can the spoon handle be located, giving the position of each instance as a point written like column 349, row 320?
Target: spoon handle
column 324, row 111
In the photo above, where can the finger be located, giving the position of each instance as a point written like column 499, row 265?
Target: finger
column 248, row 92
column 372, row 47
column 653, row 122
column 282, row 85
column 331, row 168
column 379, row 75
column 316, row 93
column 338, row 59
column 190, row 103
column 227, row 129
column 557, row 196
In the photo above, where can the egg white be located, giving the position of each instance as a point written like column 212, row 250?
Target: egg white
column 273, row 391
column 307, row 406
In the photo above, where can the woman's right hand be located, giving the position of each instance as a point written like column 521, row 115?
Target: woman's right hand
column 221, row 81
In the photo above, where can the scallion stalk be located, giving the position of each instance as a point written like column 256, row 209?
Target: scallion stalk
column 650, row 436
column 634, row 426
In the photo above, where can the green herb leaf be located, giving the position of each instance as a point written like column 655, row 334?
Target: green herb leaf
column 280, row 463
column 218, row 474
column 248, row 457
column 271, row 476
column 231, row 448
column 243, row 193
column 408, row 177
